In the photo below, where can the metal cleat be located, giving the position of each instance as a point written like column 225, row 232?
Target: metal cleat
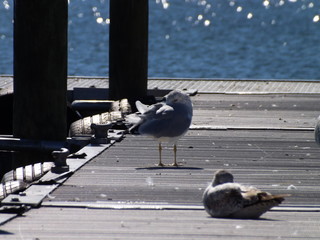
column 101, row 133
column 60, row 161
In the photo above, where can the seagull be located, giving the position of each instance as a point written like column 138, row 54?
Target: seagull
column 166, row 121
column 225, row 199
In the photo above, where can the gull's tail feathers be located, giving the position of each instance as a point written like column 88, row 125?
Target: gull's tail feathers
column 142, row 108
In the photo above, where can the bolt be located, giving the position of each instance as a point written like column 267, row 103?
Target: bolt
column 15, row 199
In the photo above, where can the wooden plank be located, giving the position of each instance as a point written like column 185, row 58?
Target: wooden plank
column 212, row 86
column 276, row 161
column 33, row 196
column 5, row 217
column 279, row 161
column 79, row 223
column 125, row 205
column 256, row 111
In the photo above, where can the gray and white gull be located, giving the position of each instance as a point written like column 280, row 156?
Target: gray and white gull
column 166, row 121
column 225, row 199
column 317, row 131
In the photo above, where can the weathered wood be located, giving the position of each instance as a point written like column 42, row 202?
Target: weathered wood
column 128, row 49
column 229, row 86
column 277, row 161
column 86, row 223
column 271, row 159
column 40, row 70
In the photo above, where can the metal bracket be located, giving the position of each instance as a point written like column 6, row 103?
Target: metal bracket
column 60, row 161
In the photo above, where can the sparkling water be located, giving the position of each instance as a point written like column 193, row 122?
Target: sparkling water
column 255, row 39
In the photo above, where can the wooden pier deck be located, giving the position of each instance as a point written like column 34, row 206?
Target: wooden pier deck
column 264, row 138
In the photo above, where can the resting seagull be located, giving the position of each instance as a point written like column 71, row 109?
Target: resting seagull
column 225, row 199
column 166, row 121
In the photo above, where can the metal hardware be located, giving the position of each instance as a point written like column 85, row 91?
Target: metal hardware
column 60, row 161
column 101, row 133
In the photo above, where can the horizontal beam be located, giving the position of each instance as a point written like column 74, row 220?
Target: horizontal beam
column 17, row 144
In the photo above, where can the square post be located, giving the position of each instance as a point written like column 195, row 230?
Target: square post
column 40, row 72
column 128, row 49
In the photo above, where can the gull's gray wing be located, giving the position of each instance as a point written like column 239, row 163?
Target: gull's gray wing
column 148, row 114
column 164, row 121
column 157, row 111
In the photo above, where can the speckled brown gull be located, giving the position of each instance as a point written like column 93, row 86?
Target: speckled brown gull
column 165, row 121
column 225, row 199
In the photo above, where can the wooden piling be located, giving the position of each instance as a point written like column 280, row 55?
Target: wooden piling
column 128, row 49
column 40, row 70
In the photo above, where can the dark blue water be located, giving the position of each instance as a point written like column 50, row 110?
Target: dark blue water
column 257, row 39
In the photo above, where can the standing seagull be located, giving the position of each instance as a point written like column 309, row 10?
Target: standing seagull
column 226, row 199
column 317, row 131
column 165, row 121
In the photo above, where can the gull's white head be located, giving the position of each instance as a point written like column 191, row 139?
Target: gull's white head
column 177, row 96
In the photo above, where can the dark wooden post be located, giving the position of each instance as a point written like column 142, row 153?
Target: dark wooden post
column 40, row 70
column 128, row 49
